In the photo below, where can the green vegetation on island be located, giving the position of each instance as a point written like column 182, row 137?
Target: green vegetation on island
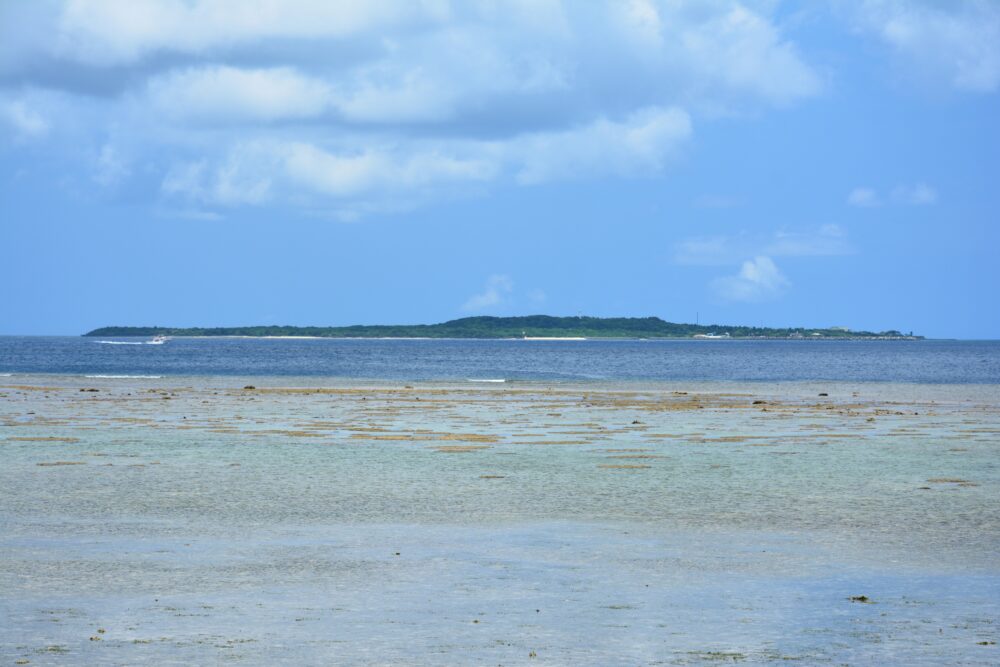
column 531, row 326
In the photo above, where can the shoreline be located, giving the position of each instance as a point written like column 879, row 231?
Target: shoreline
column 557, row 338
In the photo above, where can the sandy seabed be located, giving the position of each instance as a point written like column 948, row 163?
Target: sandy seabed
column 305, row 521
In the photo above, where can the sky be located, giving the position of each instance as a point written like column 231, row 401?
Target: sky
column 305, row 162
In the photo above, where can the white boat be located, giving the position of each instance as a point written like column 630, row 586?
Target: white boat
column 158, row 340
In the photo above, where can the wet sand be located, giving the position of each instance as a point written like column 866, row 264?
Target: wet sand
column 264, row 520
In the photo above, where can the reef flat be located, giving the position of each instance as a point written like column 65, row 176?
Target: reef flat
column 263, row 520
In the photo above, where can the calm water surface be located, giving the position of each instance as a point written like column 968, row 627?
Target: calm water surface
column 953, row 362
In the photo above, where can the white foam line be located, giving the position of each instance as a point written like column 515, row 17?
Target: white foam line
column 118, row 342
column 124, row 377
column 484, row 380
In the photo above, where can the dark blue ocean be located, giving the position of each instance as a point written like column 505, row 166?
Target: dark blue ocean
column 961, row 362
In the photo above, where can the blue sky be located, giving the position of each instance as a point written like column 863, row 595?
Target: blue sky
column 180, row 163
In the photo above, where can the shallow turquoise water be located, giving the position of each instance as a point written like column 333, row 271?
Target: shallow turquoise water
column 200, row 522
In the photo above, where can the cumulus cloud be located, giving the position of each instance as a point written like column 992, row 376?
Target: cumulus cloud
column 228, row 94
column 259, row 171
column 381, row 104
column 957, row 42
column 640, row 143
column 352, row 174
column 291, row 172
column 744, row 51
column 759, row 279
column 496, row 293
column 115, row 32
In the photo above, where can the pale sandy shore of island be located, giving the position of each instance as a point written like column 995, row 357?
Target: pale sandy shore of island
column 410, row 338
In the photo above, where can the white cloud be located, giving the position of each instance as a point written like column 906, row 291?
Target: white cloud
column 294, row 173
column 411, row 96
column 239, row 180
column 640, row 143
column 287, row 171
column 352, row 174
column 743, row 51
column 386, row 104
column 496, row 293
column 230, row 94
column 710, row 45
column 957, row 42
column 759, row 279
column 827, row 240
column 337, row 175
column 863, row 197
column 113, row 32
column 25, row 122
column 920, row 194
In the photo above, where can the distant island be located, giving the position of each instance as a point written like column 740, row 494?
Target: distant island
column 530, row 326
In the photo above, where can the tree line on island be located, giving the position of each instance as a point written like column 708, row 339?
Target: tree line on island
column 531, row 326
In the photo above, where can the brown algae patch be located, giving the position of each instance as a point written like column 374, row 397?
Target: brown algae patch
column 623, row 466
column 30, row 387
column 636, row 456
column 553, row 442
column 951, row 480
column 427, row 435
column 459, row 449
column 469, row 437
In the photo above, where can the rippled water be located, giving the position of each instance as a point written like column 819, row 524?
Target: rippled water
column 856, row 361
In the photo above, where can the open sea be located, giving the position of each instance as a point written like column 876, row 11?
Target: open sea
column 937, row 362
column 456, row 502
